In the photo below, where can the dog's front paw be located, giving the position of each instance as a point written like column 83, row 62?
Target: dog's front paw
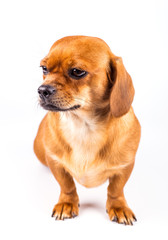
column 65, row 210
column 123, row 215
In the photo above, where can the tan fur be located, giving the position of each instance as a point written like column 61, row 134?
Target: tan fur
column 97, row 141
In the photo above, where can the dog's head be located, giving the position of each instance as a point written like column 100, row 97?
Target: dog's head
column 81, row 73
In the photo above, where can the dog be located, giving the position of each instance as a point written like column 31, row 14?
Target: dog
column 90, row 132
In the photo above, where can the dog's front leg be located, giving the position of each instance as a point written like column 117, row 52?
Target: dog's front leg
column 116, row 205
column 67, row 206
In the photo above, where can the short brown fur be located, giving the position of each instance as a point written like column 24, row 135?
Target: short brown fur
column 97, row 141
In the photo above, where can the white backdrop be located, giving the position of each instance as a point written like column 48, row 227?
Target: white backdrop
column 138, row 32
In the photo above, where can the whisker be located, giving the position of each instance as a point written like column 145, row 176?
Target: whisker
column 87, row 101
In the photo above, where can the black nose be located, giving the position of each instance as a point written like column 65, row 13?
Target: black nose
column 45, row 91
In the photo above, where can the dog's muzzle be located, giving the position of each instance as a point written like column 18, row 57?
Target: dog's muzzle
column 46, row 93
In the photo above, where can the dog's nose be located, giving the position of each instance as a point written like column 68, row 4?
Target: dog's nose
column 45, row 91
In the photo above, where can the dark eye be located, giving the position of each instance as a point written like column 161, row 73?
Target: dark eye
column 45, row 70
column 77, row 73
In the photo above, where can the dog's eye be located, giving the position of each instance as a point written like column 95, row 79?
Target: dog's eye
column 77, row 73
column 45, row 70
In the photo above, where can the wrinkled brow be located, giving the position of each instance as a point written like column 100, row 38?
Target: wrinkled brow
column 43, row 62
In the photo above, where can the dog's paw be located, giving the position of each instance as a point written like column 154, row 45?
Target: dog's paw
column 123, row 215
column 65, row 210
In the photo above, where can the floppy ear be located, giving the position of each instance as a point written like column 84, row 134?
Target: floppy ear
column 122, row 91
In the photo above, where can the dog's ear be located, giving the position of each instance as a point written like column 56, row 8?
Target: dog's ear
column 122, row 90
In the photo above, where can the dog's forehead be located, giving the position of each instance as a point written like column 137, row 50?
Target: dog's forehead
column 81, row 43
column 90, row 49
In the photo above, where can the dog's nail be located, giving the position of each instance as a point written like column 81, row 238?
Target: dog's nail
column 53, row 214
column 74, row 215
column 78, row 204
column 135, row 218
column 131, row 223
column 115, row 219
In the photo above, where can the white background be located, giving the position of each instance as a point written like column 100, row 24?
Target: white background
column 138, row 32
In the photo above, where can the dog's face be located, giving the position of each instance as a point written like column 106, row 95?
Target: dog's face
column 80, row 73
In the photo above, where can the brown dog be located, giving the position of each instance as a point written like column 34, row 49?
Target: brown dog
column 90, row 131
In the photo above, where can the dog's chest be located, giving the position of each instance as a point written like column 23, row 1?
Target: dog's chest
column 85, row 143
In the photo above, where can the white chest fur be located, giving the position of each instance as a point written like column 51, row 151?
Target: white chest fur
column 85, row 139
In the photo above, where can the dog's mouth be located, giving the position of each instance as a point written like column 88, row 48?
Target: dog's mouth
column 53, row 108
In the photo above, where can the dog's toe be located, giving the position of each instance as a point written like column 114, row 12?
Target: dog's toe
column 122, row 215
column 65, row 210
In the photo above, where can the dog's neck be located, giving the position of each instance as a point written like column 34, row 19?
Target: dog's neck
column 90, row 120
